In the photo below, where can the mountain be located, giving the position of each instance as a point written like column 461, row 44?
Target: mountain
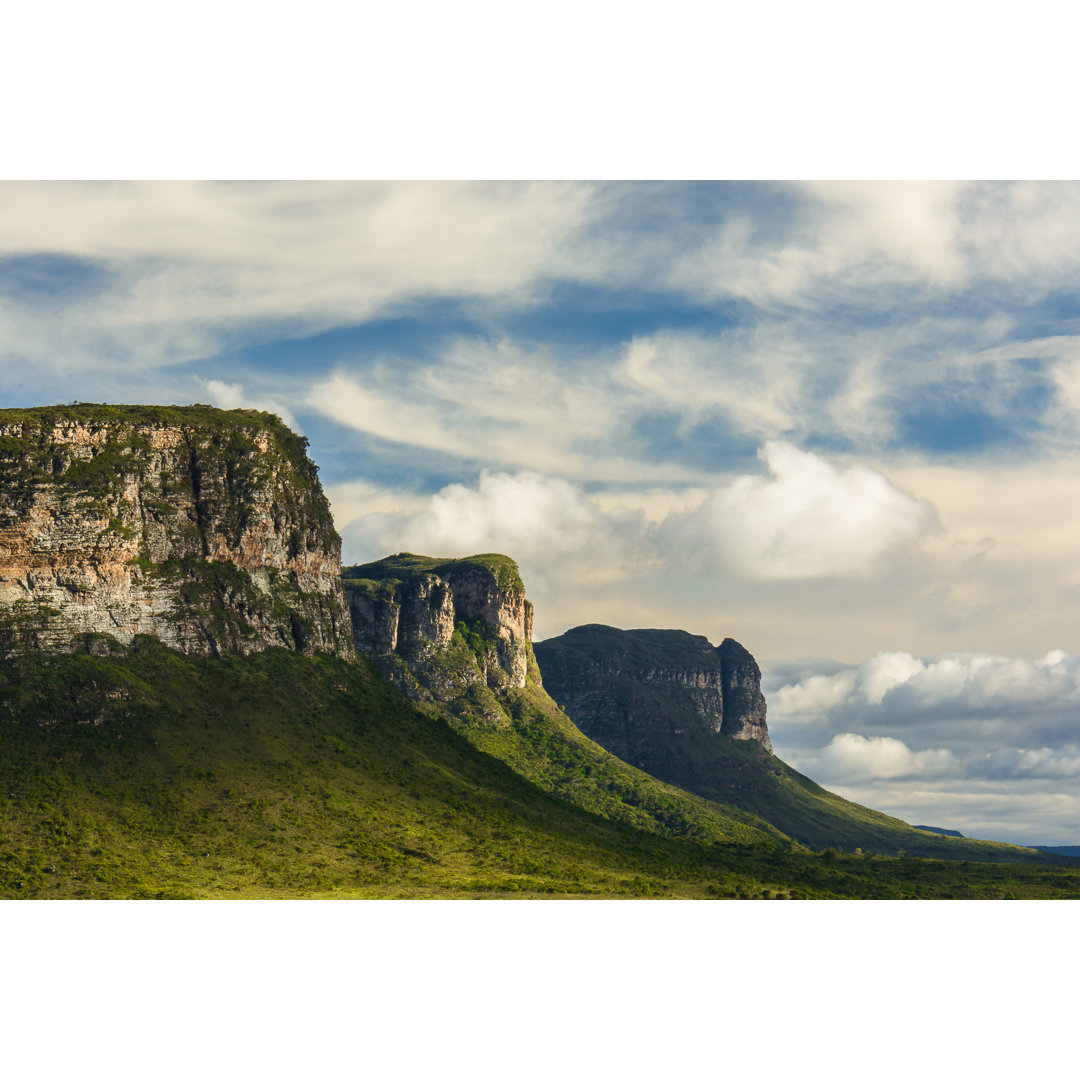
column 656, row 698
column 205, row 529
column 455, row 636
column 693, row 714
column 660, row 729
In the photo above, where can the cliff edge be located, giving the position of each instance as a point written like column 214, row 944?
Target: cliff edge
column 439, row 627
column 456, row 636
column 203, row 528
column 650, row 696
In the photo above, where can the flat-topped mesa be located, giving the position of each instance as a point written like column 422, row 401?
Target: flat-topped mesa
column 656, row 698
column 438, row 626
column 206, row 529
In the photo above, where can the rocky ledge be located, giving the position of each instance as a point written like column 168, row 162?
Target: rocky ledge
column 437, row 627
column 658, row 699
column 206, row 529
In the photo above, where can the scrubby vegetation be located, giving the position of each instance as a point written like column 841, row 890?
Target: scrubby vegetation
column 405, row 565
column 148, row 774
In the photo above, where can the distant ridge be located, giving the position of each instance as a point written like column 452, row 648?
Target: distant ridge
column 940, row 832
column 665, row 700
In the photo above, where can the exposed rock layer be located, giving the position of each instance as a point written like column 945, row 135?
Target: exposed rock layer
column 206, row 529
column 659, row 699
column 438, row 627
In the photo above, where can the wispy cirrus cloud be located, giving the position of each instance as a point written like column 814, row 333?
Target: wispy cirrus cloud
column 182, row 270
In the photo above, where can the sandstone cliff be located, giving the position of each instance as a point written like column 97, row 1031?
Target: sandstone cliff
column 664, row 700
column 436, row 628
column 206, row 529
column 455, row 635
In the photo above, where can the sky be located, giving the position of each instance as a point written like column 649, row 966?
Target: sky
column 837, row 421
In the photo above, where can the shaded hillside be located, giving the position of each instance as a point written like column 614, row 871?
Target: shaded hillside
column 147, row 773
column 647, row 695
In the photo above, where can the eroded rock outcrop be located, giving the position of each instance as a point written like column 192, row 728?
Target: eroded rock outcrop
column 438, row 627
column 744, row 703
column 203, row 528
column 659, row 699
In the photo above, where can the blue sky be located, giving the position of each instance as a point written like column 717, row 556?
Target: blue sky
column 835, row 421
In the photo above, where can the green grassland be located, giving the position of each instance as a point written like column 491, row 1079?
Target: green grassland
column 149, row 774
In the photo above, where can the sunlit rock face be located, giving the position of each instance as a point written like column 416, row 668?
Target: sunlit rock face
column 659, row 699
column 203, row 528
column 744, row 703
column 438, row 627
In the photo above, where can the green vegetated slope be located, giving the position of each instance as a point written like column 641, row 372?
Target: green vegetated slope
column 146, row 773
column 698, row 785
column 523, row 726
column 525, row 729
column 625, row 684
column 504, row 571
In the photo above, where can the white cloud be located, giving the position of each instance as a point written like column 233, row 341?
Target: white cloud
column 852, row 758
column 989, row 745
column 850, row 236
column 525, row 514
column 494, row 403
column 548, row 525
column 232, row 396
column 849, row 239
column 810, row 519
column 896, row 687
column 188, row 264
column 752, row 378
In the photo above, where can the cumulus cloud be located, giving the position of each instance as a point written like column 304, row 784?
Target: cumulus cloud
column 562, row 540
column 896, row 687
column 525, row 514
column 810, row 519
column 850, row 757
column 927, row 738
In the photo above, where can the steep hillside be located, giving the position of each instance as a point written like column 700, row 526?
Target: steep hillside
column 454, row 634
column 205, row 529
column 665, row 701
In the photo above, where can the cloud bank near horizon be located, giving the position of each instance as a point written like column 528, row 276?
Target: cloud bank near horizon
column 954, row 735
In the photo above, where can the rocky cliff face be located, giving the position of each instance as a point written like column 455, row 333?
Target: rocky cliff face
column 206, row 529
column 663, row 700
column 456, row 636
column 744, row 703
column 436, row 628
